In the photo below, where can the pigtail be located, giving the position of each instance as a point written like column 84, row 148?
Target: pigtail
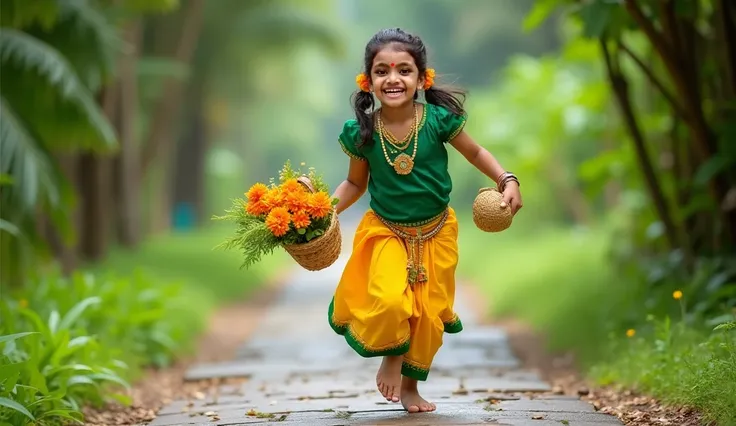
column 362, row 103
column 450, row 98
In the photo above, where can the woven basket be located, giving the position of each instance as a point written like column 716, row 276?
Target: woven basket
column 488, row 214
column 322, row 251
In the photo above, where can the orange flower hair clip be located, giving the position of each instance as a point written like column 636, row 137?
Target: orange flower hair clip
column 428, row 78
column 363, row 83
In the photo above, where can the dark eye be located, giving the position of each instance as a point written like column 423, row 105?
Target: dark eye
column 380, row 72
column 406, row 71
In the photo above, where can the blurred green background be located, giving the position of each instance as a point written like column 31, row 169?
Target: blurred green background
column 125, row 125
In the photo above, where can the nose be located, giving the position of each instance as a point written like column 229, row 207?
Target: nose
column 393, row 76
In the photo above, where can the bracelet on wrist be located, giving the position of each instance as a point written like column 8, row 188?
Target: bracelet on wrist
column 504, row 178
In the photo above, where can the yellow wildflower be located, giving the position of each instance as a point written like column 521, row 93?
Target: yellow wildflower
column 630, row 332
column 677, row 295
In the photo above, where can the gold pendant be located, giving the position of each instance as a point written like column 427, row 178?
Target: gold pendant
column 403, row 164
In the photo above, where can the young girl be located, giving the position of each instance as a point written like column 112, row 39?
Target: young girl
column 395, row 298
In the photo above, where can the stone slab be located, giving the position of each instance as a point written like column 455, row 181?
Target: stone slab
column 269, row 368
column 561, row 405
column 534, row 417
column 446, row 414
column 503, row 384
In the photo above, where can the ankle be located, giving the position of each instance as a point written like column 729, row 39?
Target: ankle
column 409, row 384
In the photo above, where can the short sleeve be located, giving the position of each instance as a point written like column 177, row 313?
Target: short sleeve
column 349, row 139
column 449, row 124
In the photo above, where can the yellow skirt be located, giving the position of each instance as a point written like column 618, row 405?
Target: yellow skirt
column 376, row 308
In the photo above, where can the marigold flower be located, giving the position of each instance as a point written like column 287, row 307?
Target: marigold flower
column 363, row 82
column 429, row 78
column 257, row 208
column 291, row 186
column 256, row 192
column 274, row 198
column 677, row 295
column 278, row 220
column 296, row 201
column 630, row 332
column 320, row 205
column 301, row 219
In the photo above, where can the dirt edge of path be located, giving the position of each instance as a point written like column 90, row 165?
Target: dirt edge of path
column 229, row 326
column 560, row 370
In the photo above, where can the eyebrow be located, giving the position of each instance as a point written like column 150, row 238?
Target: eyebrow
column 400, row 64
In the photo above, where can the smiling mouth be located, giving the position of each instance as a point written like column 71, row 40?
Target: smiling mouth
column 393, row 92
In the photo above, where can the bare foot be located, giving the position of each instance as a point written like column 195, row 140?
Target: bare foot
column 411, row 400
column 388, row 378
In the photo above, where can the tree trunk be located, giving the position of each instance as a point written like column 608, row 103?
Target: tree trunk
column 726, row 11
column 189, row 178
column 621, row 91
column 677, row 46
column 160, row 137
column 95, row 185
column 128, row 170
column 160, row 143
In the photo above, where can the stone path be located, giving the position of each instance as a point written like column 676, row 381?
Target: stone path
column 300, row 372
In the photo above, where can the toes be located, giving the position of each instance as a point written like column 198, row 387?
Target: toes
column 384, row 390
column 395, row 396
column 413, row 409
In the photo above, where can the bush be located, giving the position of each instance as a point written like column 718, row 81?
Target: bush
column 65, row 343
column 678, row 364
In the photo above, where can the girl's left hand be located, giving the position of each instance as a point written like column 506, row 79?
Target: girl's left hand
column 512, row 197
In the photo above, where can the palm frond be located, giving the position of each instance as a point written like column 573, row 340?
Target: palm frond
column 10, row 228
column 41, row 85
column 23, row 158
column 85, row 36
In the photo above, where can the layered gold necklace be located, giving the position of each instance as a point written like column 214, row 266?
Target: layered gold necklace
column 403, row 163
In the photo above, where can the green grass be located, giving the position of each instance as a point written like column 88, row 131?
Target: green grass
column 556, row 280
column 560, row 282
column 679, row 364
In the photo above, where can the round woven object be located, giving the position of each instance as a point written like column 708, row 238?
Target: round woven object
column 488, row 214
column 322, row 251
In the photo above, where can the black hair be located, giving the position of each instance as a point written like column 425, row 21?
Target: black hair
column 450, row 98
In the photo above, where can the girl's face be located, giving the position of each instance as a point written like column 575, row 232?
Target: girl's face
column 394, row 77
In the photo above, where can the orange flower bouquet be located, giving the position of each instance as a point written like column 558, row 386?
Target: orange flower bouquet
column 296, row 214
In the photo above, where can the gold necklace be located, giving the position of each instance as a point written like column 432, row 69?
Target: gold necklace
column 402, row 164
column 398, row 144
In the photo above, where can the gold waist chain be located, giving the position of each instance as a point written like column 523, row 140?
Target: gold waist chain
column 415, row 238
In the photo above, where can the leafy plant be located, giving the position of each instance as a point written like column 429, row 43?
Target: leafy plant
column 88, row 337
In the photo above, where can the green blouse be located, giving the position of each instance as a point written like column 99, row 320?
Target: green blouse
column 425, row 192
